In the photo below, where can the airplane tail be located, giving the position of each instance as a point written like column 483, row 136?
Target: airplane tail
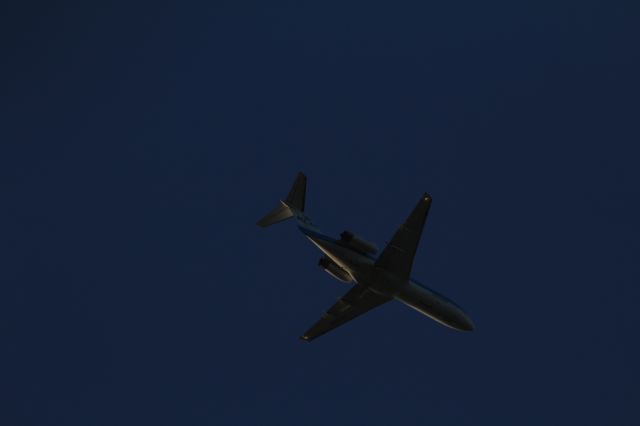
column 294, row 203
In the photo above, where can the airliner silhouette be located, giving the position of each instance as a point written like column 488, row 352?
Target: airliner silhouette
column 375, row 281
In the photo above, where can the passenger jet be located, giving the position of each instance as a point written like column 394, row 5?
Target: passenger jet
column 375, row 280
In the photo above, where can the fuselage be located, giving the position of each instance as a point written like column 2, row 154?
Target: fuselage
column 363, row 270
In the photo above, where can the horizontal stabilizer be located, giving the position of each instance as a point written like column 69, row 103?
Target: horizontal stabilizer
column 280, row 213
column 293, row 204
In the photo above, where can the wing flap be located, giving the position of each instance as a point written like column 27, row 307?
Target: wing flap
column 354, row 303
column 398, row 255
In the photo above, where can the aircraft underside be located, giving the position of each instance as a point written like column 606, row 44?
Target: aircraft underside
column 375, row 280
column 410, row 293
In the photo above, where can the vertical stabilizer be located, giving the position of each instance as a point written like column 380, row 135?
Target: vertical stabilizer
column 292, row 204
column 298, row 193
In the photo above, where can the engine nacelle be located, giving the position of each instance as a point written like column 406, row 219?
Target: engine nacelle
column 358, row 243
column 330, row 267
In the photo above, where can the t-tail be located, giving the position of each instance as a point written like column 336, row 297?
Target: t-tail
column 292, row 206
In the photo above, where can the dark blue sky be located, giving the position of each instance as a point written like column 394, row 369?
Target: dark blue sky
column 140, row 143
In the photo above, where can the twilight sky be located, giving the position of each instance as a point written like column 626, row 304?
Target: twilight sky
column 139, row 143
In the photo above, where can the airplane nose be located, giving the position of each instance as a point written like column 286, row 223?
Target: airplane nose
column 468, row 326
column 465, row 323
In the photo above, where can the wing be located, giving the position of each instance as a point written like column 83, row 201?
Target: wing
column 398, row 255
column 356, row 302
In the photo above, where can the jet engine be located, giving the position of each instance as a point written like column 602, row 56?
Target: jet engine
column 330, row 267
column 357, row 243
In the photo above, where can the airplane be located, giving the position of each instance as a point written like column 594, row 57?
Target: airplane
column 375, row 281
